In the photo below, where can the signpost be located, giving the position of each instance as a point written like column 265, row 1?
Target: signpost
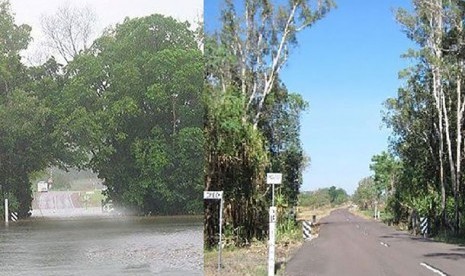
column 272, row 178
column 217, row 195
column 271, row 246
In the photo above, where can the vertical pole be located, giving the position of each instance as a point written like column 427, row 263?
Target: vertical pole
column 6, row 211
column 219, row 242
column 271, row 242
column 272, row 194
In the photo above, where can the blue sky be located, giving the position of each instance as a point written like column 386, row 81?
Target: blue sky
column 345, row 66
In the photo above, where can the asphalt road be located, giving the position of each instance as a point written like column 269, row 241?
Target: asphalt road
column 350, row 245
column 61, row 204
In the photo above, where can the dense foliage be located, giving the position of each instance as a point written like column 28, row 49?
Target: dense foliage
column 423, row 174
column 129, row 107
column 252, row 121
column 138, row 89
column 30, row 137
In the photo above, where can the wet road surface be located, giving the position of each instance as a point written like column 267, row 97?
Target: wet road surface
column 102, row 246
column 351, row 245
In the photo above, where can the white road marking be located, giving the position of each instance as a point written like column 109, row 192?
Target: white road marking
column 435, row 270
column 384, row 244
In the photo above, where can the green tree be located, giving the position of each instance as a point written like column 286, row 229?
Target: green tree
column 365, row 195
column 244, row 58
column 427, row 115
column 280, row 125
column 386, row 173
column 29, row 137
column 337, row 196
column 135, row 103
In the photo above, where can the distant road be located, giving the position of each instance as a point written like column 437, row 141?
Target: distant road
column 61, row 204
column 351, row 245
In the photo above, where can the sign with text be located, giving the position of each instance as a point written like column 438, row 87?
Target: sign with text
column 212, row 194
column 274, row 178
column 217, row 195
column 273, row 214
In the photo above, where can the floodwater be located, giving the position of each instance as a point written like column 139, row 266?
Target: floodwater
column 102, row 246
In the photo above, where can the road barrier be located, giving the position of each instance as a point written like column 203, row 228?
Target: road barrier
column 424, row 226
column 307, row 229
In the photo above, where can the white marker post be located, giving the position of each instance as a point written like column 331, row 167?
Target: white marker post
column 6, row 212
column 271, row 245
column 272, row 178
column 217, row 195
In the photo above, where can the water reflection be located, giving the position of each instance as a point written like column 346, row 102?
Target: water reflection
column 102, row 246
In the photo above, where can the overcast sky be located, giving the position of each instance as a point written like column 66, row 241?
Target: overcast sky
column 109, row 12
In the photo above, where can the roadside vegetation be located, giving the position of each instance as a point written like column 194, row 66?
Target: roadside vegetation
column 422, row 173
column 252, row 259
column 252, row 120
column 127, row 105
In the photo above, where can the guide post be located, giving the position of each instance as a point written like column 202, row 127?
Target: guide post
column 272, row 178
column 6, row 211
column 217, row 195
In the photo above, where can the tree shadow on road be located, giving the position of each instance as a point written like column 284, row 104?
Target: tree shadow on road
column 449, row 256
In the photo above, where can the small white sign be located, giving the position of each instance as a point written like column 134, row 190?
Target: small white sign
column 273, row 214
column 212, row 194
column 274, row 178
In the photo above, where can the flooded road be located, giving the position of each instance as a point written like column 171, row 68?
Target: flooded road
column 102, row 246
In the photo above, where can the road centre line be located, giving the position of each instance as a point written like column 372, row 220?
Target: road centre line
column 384, row 244
column 435, row 270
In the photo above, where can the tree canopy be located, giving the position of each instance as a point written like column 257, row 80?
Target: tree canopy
column 426, row 119
column 252, row 120
column 129, row 107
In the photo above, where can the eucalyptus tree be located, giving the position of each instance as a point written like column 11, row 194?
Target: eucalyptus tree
column 258, row 43
column 243, row 60
column 437, row 27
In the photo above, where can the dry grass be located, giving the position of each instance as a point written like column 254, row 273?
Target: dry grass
column 306, row 213
column 253, row 260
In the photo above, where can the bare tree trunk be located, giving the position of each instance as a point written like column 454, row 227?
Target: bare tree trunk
column 460, row 110
column 434, row 43
column 458, row 148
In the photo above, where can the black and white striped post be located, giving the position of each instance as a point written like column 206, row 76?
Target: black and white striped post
column 13, row 216
column 306, row 229
column 424, row 226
